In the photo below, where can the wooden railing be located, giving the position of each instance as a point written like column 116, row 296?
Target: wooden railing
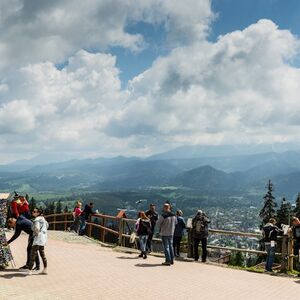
column 111, row 229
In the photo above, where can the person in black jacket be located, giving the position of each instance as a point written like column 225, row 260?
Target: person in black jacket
column 270, row 232
column 143, row 229
column 200, row 234
column 153, row 216
column 86, row 213
column 22, row 224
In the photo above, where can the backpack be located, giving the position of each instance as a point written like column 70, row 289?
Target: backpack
column 199, row 226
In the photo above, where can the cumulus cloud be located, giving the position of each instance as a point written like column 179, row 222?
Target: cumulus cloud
column 240, row 88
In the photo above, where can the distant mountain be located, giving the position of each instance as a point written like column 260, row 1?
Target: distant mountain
column 183, row 167
column 198, row 151
column 206, row 179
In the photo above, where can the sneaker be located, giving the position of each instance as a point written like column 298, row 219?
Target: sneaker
column 166, row 264
column 145, row 256
column 45, row 271
column 141, row 255
column 24, row 268
column 36, row 269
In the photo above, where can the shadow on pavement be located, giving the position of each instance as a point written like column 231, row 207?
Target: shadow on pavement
column 12, row 275
column 128, row 257
column 148, row 265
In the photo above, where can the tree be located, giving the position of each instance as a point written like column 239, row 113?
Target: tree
column 283, row 213
column 66, row 209
column 32, row 204
column 51, row 208
column 268, row 210
column 237, row 259
column 58, row 209
column 297, row 208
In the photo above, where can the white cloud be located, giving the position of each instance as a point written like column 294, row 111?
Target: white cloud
column 240, row 89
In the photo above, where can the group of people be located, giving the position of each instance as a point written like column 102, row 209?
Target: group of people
column 270, row 236
column 35, row 225
column 81, row 217
column 171, row 229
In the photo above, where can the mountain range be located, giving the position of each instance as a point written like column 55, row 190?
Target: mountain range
column 231, row 170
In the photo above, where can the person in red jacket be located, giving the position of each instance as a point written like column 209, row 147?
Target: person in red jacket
column 20, row 206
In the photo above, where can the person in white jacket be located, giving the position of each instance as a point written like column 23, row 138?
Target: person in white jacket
column 39, row 228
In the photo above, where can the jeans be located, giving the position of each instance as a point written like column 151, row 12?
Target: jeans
column 168, row 248
column 29, row 250
column 270, row 257
column 76, row 224
column 204, row 248
column 176, row 244
column 149, row 242
column 143, row 242
column 82, row 225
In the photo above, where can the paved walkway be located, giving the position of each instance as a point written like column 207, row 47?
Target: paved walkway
column 82, row 269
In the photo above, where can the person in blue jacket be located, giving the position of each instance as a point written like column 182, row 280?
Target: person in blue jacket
column 178, row 232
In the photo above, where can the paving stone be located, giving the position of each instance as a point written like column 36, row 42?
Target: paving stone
column 80, row 268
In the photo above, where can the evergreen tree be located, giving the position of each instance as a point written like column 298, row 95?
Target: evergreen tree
column 297, row 208
column 283, row 213
column 58, row 209
column 66, row 209
column 237, row 259
column 32, row 204
column 51, row 208
column 268, row 210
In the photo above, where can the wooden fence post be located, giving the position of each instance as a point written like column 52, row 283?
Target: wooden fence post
column 190, row 253
column 66, row 221
column 121, row 230
column 284, row 254
column 291, row 254
column 102, row 232
column 90, row 227
column 54, row 221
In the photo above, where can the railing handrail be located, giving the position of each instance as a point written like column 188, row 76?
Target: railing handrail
column 119, row 232
column 213, row 231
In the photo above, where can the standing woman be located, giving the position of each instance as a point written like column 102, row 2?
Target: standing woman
column 143, row 229
column 39, row 227
column 76, row 215
column 178, row 232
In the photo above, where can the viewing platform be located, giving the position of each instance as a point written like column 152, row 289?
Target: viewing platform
column 81, row 268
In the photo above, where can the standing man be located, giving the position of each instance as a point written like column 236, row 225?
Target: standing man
column 200, row 234
column 86, row 213
column 166, row 224
column 296, row 236
column 23, row 224
column 153, row 216
column 270, row 232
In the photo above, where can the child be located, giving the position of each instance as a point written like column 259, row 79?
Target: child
column 39, row 227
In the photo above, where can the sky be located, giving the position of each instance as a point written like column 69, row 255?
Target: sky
column 126, row 77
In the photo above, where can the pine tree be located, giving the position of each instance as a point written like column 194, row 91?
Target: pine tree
column 32, row 204
column 297, row 208
column 268, row 210
column 58, row 209
column 283, row 213
column 66, row 209
column 51, row 208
